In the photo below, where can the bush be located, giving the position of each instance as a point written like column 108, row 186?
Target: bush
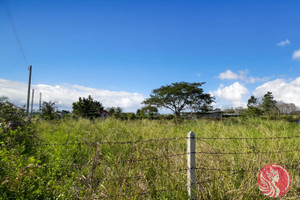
column 48, row 110
column 11, row 116
column 17, row 137
column 87, row 107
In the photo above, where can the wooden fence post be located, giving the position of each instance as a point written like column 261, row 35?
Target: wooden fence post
column 95, row 159
column 191, row 165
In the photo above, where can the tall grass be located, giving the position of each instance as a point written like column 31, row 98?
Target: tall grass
column 127, row 171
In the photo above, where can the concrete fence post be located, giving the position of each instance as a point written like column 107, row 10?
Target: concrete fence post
column 191, row 165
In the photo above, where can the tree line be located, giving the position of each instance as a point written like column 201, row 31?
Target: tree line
column 175, row 97
column 267, row 105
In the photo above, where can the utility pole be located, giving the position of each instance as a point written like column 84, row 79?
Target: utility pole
column 32, row 103
column 40, row 103
column 28, row 94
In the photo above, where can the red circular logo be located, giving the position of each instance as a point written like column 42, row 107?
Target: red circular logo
column 274, row 180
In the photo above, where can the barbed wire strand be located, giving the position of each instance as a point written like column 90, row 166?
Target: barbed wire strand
column 112, row 142
column 253, row 152
column 259, row 138
column 139, row 194
column 235, row 170
column 282, row 197
column 158, row 157
column 230, row 170
column 163, row 139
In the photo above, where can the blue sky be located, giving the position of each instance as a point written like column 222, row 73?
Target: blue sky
column 125, row 49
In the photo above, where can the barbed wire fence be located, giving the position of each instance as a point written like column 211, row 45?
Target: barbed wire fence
column 295, row 166
column 191, row 169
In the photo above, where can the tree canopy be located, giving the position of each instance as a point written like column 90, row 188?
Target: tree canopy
column 286, row 108
column 48, row 110
column 180, row 96
column 269, row 104
column 87, row 107
column 254, row 107
column 149, row 112
column 115, row 111
column 266, row 105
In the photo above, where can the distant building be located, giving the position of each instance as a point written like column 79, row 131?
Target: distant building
column 61, row 114
column 203, row 115
column 226, row 115
column 104, row 114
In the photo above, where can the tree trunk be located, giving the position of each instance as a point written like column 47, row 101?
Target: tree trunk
column 177, row 116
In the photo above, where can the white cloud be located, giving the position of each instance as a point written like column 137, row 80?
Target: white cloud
column 282, row 90
column 229, row 75
column 255, row 79
column 232, row 93
column 242, row 75
column 283, row 43
column 296, row 55
column 64, row 95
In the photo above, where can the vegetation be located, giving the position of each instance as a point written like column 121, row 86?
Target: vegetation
column 11, row 116
column 253, row 107
column 286, row 108
column 87, row 107
column 179, row 96
column 147, row 112
column 122, row 158
column 61, row 160
column 48, row 110
column 115, row 112
column 269, row 104
column 269, row 107
column 17, row 137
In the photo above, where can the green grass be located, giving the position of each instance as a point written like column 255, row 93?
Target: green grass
column 126, row 171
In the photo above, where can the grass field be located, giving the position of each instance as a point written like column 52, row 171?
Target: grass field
column 68, row 164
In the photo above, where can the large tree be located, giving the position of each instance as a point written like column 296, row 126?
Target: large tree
column 286, row 108
column 254, row 107
column 269, row 104
column 180, row 96
column 87, row 107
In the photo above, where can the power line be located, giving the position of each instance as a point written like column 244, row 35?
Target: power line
column 11, row 20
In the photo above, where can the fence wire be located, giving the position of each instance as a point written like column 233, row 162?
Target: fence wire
column 148, row 159
column 258, row 138
column 237, row 170
column 111, row 142
column 158, row 140
column 252, row 152
column 167, row 156
column 137, row 194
